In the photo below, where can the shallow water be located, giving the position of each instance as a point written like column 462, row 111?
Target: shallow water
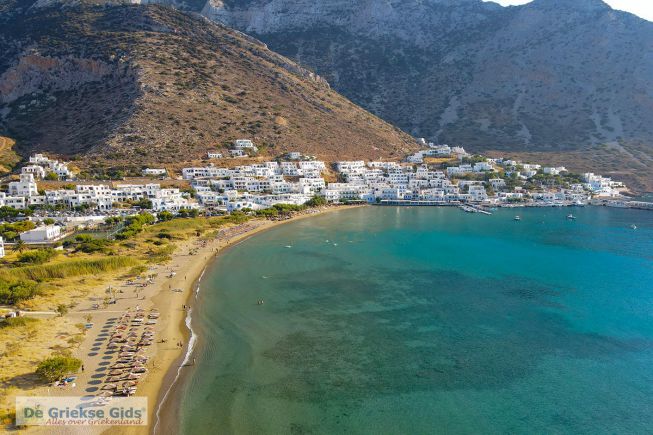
column 429, row 320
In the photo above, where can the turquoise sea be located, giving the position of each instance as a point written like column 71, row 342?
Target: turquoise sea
column 383, row 320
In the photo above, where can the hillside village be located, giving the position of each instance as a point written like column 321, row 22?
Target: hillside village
column 436, row 175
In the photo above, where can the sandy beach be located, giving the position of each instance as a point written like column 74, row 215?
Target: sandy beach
column 169, row 292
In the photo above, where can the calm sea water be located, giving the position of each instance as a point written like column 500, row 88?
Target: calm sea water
column 429, row 320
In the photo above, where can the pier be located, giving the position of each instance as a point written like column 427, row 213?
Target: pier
column 471, row 209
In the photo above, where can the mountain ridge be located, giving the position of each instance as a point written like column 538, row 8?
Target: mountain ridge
column 556, row 76
column 149, row 84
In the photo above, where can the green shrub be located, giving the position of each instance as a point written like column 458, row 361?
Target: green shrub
column 37, row 256
column 15, row 322
column 89, row 244
column 165, row 216
column 15, row 291
column 185, row 212
column 316, row 201
column 134, row 225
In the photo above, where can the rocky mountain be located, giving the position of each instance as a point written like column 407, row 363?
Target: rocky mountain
column 133, row 84
column 569, row 79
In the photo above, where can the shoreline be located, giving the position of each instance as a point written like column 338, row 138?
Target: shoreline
column 159, row 387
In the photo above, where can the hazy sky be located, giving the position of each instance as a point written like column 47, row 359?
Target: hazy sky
column 643, row 8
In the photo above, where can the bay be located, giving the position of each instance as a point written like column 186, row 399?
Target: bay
column 429, row 320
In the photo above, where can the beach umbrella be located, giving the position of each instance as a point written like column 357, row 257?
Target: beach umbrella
column 133, row 376
column 128, row 384
column 119, row 366
column 116, row 372
column 138, row 370
column 109, row 387
column 105, row 394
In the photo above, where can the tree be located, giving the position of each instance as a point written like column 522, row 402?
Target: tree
column 7, row 212
column 62, row 310
column 316, row 201
column 19, row 246
column 164, row 216
column 13, row 292
column 52, row 176
column 55, row 368
column 48, row 221
column 144, row 204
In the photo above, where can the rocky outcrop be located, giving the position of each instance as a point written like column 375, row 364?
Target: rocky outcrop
column 35, row 74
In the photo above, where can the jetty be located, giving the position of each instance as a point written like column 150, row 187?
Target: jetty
column 472, row 209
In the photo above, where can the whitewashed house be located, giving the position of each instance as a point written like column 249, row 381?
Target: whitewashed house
column 154, row 172
column 42, row 234
column 37, row 171
column 294, row 155
column 25, row 187
column 245, row 144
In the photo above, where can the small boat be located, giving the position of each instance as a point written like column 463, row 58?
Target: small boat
column 633, row 227
column 517, row 218
column 571, row 217
column 288, row 246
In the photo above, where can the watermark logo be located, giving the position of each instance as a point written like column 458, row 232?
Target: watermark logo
column 81, row 411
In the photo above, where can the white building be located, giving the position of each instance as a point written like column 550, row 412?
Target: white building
column 25, row 187
column 37, row 171
column 214, row 155
column 245, row 144
column 554, row 171
column 147, row 172
column 17, row 202
column 45, row 233
column 483, row 166
column 2, row 247
column 294, row 155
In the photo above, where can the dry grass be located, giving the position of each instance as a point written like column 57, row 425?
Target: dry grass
column 8, row 156
column 69, row 269
column 70, row 278
column 22, row 348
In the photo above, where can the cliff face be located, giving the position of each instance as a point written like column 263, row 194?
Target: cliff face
column 134, row 84
column 554, row 76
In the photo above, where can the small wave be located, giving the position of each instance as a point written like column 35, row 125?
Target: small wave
column 191, row 346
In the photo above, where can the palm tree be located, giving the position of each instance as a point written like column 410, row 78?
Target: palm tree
column 19, row 246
